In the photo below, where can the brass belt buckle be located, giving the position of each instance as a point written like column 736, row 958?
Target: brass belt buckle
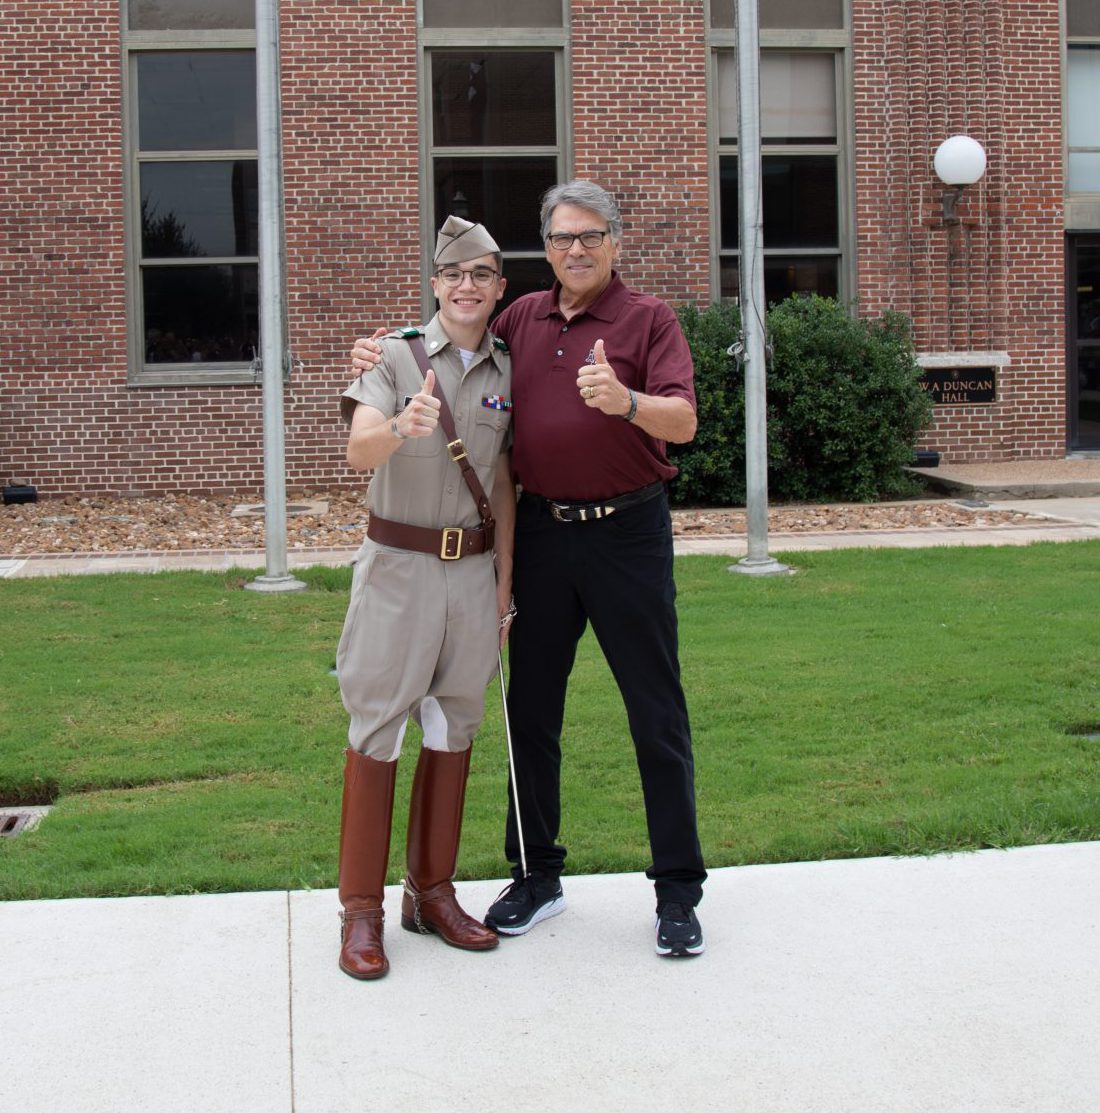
column 456, row 449
column 451, row 534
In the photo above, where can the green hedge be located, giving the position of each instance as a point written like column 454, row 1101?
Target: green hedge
column 845, row 407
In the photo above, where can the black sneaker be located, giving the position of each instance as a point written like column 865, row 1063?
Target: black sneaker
column 523, row 904
column 678, row 931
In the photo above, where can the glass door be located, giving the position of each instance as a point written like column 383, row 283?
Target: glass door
column 1083, row 342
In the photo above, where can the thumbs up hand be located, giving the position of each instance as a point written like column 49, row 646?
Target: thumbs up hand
column 599, row 386
column 366, row 354
column 421, row 416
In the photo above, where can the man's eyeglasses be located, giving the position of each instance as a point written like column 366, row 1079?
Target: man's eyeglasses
column 563, row 241
column 453, row 276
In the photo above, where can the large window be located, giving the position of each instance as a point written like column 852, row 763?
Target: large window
column 192, row 191
column 803, row 177
column 494, row 127
column 1082, row 97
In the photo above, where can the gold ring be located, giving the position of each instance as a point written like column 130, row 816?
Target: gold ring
column 587, row 391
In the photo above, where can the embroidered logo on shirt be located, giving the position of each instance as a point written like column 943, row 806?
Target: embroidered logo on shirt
column 496, row 402
column 591, row 357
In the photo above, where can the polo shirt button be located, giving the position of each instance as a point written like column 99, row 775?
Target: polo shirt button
column 560, row 352
column 564, row 328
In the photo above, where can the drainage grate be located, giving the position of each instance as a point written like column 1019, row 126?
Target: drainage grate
column 14, row 821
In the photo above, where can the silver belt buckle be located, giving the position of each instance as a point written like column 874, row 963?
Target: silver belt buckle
column 555, row 511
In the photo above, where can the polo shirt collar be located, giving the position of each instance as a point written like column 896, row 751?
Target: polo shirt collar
column 605, row 308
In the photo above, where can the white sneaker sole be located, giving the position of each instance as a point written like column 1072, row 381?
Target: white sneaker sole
column 551, row 908
column 686, row 952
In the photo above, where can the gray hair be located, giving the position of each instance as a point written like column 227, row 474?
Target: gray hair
column 585, row 195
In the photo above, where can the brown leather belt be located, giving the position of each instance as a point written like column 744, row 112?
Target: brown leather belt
column 449, row 543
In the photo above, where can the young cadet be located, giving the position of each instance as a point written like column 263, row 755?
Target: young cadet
column 430, row 601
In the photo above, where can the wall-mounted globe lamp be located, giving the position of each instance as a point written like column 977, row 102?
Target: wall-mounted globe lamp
column 959, row 162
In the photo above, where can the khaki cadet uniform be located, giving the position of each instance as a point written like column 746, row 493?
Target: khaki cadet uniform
column 421, row 634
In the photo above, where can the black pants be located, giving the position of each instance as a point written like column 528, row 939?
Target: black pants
column 616, row 573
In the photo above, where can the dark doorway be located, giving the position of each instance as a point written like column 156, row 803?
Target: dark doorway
column 1083, row 341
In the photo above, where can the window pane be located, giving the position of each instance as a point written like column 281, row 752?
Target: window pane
column 492, row 13
column 195, row 101
column 201, row 314
column 503, row 193
column 1084, row 172
column 780, row 14
column 784, row 276
column 797, row 97
column 800, row 201
column 199, row 208
column 498, row 99
column 191, row 15
column 1082, row 17
column 524, row 277
column 1083, row 94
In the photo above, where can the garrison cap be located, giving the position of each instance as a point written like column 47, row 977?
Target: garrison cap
column 459, row 241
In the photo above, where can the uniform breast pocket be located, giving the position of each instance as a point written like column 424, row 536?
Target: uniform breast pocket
column 421, row 446
column 490, row 427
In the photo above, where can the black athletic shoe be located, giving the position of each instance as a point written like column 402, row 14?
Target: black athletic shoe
column 678, row 931
column 523, row 904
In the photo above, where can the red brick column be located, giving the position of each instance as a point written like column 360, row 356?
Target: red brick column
column 994, row 282
column 640, row 130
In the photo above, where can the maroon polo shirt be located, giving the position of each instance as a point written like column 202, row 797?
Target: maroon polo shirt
column 562, row 448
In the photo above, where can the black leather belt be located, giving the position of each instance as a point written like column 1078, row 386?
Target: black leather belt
column 590, row 511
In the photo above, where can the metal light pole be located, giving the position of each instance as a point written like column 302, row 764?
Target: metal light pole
column 272, row 351
column 753, row 306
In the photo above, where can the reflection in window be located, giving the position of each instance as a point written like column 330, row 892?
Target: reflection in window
column 800, row 168
column 785, row 276
column 497, row 99
column 502, row 192
column 494, row 140
column 197, row 101
column 797, row 97
column 191, row 15
column 200, row 314
column 492, row 13
column 1083, row 18
column 799, row 198
column 196, row 173
column 1082, row 119
column 199, row 208
column 780, row 14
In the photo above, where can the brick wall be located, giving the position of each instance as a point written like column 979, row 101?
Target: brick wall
column 70, row 423
column 995, row 282
column 640, row 130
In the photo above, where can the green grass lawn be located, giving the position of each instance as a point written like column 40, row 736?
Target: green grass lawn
column 878, row 702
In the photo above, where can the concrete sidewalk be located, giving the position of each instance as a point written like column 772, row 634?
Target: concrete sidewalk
column 951, row 984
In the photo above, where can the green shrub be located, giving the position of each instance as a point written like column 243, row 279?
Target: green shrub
column 845, row 407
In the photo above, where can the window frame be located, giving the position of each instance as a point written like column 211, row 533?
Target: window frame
column 134, row 43
column 836, row 42
column 1081, row 207
column 519, row 39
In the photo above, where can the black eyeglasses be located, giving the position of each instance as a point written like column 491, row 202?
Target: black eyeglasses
column 563, row 241
column 453, row 276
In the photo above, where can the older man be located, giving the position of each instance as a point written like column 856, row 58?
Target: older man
column 603, row 380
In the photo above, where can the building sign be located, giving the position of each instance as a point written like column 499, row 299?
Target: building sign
column 952, row 386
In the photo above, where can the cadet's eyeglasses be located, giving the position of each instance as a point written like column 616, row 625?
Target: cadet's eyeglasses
column 453, row 276
column 563, row 241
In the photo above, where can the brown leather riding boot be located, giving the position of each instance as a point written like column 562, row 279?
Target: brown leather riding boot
column 364, row 851
column 435, row 822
